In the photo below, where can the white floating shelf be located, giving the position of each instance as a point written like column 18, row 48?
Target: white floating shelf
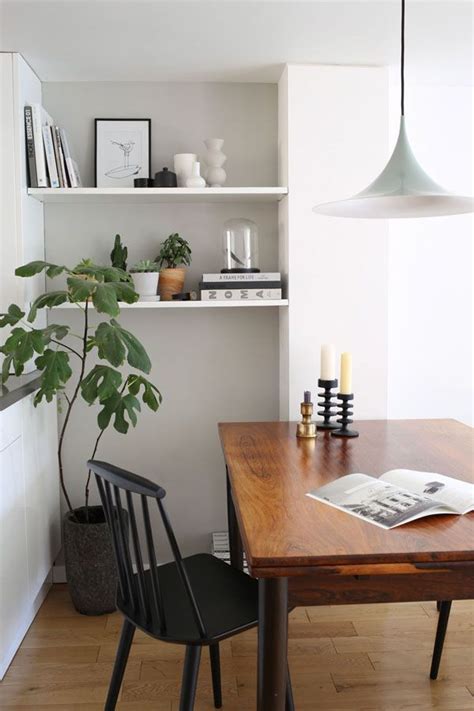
column 192, row 304
column 156, row 195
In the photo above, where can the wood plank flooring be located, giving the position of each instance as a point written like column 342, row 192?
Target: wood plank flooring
column 358, row 657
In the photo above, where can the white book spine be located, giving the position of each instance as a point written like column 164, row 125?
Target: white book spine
column 50, row 157
column 249, row 276
column 68, row 159
column 41, row 174
column 240, row 294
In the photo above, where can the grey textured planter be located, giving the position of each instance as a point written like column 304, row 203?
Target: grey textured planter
column 90, row 564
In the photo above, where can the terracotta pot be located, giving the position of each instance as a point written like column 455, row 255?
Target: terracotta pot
column 171, row 282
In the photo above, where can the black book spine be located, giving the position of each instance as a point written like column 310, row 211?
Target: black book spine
column 30, row 149
column 226, row 285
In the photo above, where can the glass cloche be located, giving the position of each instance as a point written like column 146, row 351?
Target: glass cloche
column 240, row 246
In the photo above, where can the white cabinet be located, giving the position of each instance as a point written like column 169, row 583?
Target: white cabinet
column 29, row 517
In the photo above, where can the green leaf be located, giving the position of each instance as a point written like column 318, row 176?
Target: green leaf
column 101, row 383
column 117, row 406
column 152, row 400
column 105, row 299
column 13, row 315
column 22, row 344
column 7, row 361
column 114, row 344
column 56, row 331
column 80, row 289
column 49, row 300
column 56, row 371
column 32, row 268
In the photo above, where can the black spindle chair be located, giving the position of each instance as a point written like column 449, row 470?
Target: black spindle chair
column 195, row 601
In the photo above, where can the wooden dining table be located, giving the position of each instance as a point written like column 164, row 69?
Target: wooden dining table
column 304, row 552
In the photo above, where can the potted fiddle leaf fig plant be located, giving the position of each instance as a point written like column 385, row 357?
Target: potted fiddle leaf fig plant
column 70, row 371
column 174, row 257
column 145, row 275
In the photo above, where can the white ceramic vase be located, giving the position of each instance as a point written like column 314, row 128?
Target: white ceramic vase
column 195, row 181
column 183, row 167
column 146, row 284
column 215, row 159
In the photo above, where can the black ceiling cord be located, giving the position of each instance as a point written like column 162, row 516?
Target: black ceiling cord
column 402, row 62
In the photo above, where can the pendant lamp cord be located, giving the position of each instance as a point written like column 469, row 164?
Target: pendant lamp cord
column 402, row 60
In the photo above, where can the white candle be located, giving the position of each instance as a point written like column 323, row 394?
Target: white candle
column 328, row 362
column 345, row 386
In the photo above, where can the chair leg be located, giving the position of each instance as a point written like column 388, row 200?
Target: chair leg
column 438, row 605
column 289, row 702
column 190, row 677
column 216, row 674
column 444, row 610
column 126, row 638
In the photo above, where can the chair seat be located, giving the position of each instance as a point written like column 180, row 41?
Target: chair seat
column 227, row 599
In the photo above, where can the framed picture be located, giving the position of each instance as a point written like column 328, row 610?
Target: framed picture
column 122, row 151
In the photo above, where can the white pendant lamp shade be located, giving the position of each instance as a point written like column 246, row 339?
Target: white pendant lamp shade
column 402, row 189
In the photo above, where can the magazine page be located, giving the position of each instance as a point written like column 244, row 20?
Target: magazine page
column 375, row 501
column 457, row 494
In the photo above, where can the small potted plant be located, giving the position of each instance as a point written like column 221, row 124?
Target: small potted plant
column 145, row 275
column 174, row 257
column 119, row 254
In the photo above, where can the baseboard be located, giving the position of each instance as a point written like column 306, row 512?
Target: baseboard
column 24, row 624
column 59, row 574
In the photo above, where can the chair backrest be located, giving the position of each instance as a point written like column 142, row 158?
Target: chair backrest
column 139, row 587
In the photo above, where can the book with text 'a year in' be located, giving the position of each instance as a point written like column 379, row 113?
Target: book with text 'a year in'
column 240, row 294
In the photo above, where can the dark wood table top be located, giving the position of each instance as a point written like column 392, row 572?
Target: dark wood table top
column 271, row 471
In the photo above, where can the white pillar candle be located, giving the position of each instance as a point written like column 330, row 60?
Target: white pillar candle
column 328, row 362
column 345, row 385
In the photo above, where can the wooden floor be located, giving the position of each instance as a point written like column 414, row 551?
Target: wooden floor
column 353, row 657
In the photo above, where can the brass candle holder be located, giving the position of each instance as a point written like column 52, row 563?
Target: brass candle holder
column 306, row 429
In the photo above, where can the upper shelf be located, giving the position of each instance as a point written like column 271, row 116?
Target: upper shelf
column 156, row 195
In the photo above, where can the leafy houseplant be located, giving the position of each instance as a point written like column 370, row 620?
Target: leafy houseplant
column 89, row 556
column 174, row 257
column 145, row 278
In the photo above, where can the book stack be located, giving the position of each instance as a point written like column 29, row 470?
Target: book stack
column 246, row 286
column 48, row 158
column 220, row 548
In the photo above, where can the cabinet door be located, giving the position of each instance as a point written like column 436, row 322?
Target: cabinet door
column 40, row 438
column 14, row 588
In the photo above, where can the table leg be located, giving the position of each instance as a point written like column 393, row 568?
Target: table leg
column 272, row 644
column 235, row 542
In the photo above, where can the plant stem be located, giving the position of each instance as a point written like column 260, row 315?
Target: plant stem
column 64, row 345
column 69, row 408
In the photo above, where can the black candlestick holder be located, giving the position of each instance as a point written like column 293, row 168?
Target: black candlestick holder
column 325, row 403
column 345, row 413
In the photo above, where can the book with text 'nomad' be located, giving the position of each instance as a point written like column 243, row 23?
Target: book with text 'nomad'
column 397, row 497
column 30, row 148
column 240, row 294
column 241, row 276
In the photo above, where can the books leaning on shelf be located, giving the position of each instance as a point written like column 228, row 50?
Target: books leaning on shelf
column 48, row 158
column 397, row 497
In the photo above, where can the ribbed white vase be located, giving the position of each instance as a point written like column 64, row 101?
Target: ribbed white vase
column 215, row 159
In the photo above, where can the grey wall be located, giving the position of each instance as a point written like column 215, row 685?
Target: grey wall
column 211, row 364
column 182, row 115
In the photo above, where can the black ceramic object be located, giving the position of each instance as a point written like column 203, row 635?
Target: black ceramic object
column 166, row 179
column 143, row 183
column 90, row 563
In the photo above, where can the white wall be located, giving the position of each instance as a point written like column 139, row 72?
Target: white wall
column 335, row 124
column 211, row 365
column 430, row 315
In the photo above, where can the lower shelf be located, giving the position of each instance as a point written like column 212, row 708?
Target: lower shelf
column 193, row 304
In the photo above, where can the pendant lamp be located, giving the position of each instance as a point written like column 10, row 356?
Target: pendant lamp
column 402, row 189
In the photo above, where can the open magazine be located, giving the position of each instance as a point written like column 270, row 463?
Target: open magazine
column 397, row 497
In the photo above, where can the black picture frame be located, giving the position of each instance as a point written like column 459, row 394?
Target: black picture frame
column 131, row 119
